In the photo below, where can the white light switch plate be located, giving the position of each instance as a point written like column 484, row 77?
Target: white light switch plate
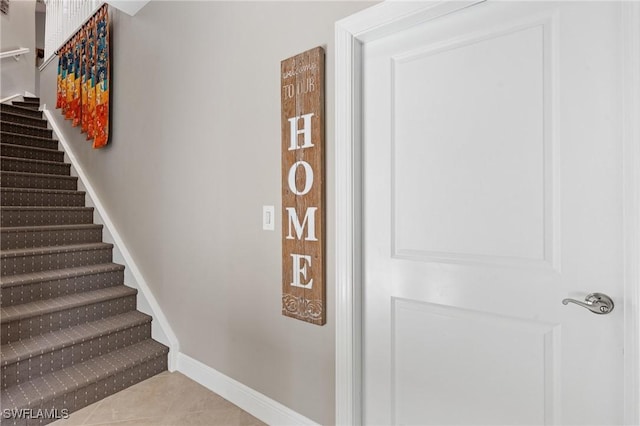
column 268, row 219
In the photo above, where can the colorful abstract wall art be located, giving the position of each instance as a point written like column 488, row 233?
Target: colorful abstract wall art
column 83, row 78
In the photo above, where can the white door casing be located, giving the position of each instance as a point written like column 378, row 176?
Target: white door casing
column 355, row 37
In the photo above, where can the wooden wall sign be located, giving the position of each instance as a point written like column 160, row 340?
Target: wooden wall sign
column 303, row 192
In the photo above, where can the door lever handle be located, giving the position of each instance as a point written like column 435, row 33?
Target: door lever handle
column 597, row 303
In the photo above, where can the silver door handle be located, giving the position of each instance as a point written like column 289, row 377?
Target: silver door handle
column 597, row 303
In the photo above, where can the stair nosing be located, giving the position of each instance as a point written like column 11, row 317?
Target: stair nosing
column 32, row 160
column 19, row 106
column 25, row 125
column 38, row 251
column 152, row 349
column 35, row 208
column 46, row 175
column 63, row 337
column 41, row 228
column 22, row 116
column 8, row 281
column 63, row 303
column 41, row 190
column 6, row 132
column 33, row 148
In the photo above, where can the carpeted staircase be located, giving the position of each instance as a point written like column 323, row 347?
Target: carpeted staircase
column 71, row 334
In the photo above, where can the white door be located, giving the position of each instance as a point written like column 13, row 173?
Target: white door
column 493, row 191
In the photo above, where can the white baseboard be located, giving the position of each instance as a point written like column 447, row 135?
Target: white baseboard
column 253, row 402
column 161, row 330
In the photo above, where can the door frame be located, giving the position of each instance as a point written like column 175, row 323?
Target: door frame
column 375, row 22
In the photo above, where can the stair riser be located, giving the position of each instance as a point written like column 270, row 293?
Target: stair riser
column 76, row 400
column 35, row 326
column 16, row 198
column 31, row 239
column 38, row 365
column 50, row 261
column 45, row 217
column 32, row 154
column 32, row 292
column 8, row 180
column 18, row 110
column 33, row 99
column 22, row 119
column 11, row 165
column 32, row 131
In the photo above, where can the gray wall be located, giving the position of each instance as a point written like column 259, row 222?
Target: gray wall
column 40, row 29
column 17, row 29
column 194, row 154
column 40, row 26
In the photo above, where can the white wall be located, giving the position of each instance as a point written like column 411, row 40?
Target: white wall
column 194, row 154
column 17, row 29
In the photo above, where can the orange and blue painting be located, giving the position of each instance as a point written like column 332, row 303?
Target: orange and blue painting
column 90, row 85
column 84, row 78
column 71, row 77
column 101, row 131
column 62, row 75
column 77, row 79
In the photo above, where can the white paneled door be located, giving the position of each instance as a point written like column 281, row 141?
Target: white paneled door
column 492, row 191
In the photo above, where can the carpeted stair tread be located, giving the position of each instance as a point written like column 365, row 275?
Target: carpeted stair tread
column 42, row 175
column 28, row 152
column 30, row 160
column 15, row 117
column 47, row 306
column 34, row 148
column 34, row 259
column 44, row 208
column 50, row 227
column 24, row 129
column 56, row 274
column 46, row 388
column 24, row 349
column 20, row 110
column 6, row 254
column 41, row 191
column 21, row 135
column 41, row 197
column 37, row 180
column 44, row 215
column 26, row 104
column 28, row 165
column 16, row 237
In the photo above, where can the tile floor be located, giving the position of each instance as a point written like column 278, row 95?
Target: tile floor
column 165, row 399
